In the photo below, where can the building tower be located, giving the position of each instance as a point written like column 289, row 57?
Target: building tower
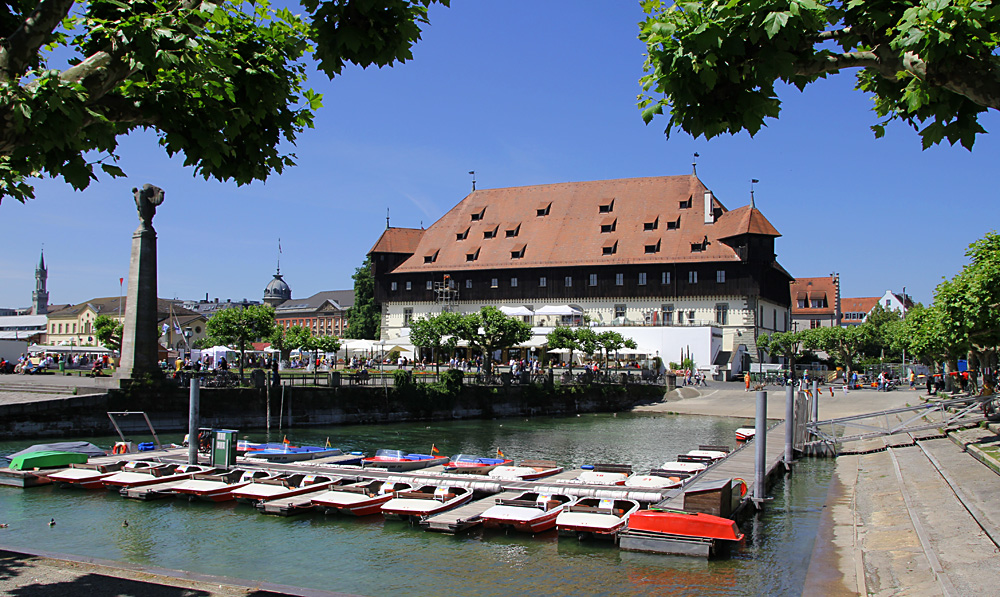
column 277, row 291
column 40, row 297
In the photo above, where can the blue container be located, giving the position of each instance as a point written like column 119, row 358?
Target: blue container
column 146, row 446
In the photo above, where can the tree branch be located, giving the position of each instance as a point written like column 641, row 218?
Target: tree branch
column 22, row 45
column 978, row 83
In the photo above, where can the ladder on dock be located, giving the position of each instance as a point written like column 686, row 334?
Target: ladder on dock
column 466, row 516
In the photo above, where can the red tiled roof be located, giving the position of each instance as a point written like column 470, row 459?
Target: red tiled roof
column 858, row 305
column 570, row 232
column 814, row 288
column 398, row 240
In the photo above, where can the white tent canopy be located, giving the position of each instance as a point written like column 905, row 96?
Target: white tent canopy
column 48, row 348
column 635, row 351
column 558, row 310
column 516, row 311
column 534, row 342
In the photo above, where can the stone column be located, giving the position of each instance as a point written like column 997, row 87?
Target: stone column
column 139, row 337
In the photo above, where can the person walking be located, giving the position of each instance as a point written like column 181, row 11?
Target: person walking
column 746, row 381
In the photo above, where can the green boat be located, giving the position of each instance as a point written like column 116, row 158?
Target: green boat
column 46, row 459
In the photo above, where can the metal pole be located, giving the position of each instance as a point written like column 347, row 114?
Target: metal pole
column 760, row 453
column 815, row 413
column 268, row 407
column 789, row 426
column 193, row 421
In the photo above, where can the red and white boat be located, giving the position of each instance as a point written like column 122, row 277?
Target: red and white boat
column 745, row 434
column 595, row 517
column 137, row 476
column 653, row 482
column 530, row 512
column 219, row 487
column 265, row 490
column 591, row 477
column 685, row 524
column 707, row 455
column 398, row 461
column 476, row 465
column 425, row 501
column 688, row 468
column 88, row 476
column 527, row 470
column 358, row 499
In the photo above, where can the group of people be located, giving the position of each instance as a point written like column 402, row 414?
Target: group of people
column 27, row 364
column 692, row 377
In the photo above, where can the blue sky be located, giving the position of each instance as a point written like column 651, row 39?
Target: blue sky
column 523, row 93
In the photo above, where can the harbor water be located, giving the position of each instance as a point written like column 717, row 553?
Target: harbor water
column 371, row 556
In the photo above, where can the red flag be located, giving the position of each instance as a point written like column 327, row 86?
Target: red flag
column 121, row 281
column 285, row 441
column 434, row 449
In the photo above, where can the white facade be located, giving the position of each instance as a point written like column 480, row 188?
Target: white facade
column 703, row 325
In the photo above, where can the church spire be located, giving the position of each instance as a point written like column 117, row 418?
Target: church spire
column 40, row 297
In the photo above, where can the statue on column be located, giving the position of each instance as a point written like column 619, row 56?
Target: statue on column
column 146, row 201
column 140, row 345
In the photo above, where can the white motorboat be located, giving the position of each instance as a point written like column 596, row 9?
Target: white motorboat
column 265, row 490
column 595, row 517
column 529, row 512
column 425, row 501
column 358, row 499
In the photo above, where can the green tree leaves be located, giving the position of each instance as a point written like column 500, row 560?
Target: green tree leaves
column 221, row 81
column 240, row 327
column 108, row 331
column 364, row 320
column 713, row 65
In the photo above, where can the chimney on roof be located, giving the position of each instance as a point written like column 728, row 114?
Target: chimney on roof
column 709, row 207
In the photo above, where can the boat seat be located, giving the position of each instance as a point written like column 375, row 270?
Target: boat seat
column 592, row 509
column 518, row 503
column 420, row 495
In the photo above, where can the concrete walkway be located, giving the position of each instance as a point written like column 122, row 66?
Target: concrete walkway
column 912, row 520
column 729, row 399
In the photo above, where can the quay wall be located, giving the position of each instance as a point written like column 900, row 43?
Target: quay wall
column 246, row 408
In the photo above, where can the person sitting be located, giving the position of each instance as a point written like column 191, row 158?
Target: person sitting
column 97, row 370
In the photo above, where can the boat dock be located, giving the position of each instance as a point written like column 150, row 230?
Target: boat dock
column 739, row 464
column 297, row 504
column 464, row 517
column 152, row 492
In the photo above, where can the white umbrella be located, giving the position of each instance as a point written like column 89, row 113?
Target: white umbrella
column 516, row 311
column 558, row 310
column 560, row 351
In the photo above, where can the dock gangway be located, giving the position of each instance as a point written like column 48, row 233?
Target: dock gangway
column 967, row 410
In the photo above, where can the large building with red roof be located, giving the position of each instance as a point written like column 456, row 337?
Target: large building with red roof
column 657, row 256
column 816, row 302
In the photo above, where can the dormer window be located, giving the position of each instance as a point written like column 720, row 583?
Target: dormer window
column 674, row 225
column 479, row 215
column 606, row 208
column 652, row 225
column 517, row 252
column 491, row 233
column 432, row 257
column 699, row 247
column 610, row 248
column 512, row 232
column 686, row 204
column 543, row 209
column 609, row 224
column 473, row 255
column 654, row 247
column 462, row 235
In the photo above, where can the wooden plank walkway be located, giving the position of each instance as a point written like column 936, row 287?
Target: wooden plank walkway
column 739, row 464
column 466, row 516
column 297, row 504
column 154, row 491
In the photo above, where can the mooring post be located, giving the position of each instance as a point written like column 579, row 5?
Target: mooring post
column 760, row 454
column 193, row 421
column 815, row 413
column 789, row 426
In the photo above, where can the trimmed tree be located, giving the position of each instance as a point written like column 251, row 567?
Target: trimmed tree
column 240, row 327
column 490, row 330
column 108, row 331
column 437, row 333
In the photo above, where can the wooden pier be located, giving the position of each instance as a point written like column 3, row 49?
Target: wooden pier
column 152, row 492
column 466, row 516
column 739, row 464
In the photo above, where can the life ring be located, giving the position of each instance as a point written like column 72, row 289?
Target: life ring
column 120, row 448
column 743, row 486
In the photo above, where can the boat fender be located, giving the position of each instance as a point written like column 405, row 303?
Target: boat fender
column 587, row 467
column 356, row 453
column 743, row 486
